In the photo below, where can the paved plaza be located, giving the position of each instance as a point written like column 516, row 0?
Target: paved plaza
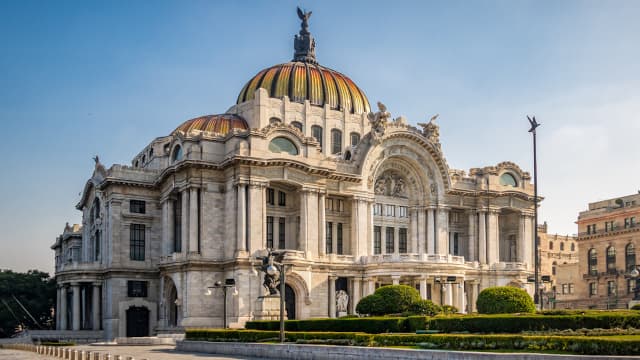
column 156, row 352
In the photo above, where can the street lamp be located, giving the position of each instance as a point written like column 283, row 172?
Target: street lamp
column 532, row 130
column 228, row 283
column 634, row 274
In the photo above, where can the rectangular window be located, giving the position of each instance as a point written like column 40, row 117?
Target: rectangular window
column 377, row 240
column 611, row 288
column 631, row 286
column 454, row 217
column 390, row 210
column 355, row 139
column 456, row 244
column 339, row 238
column 593, row 289
column 136, row 237
column 626, row 223
column 591, row 229
column 404, row 211
column 269, row 232
column 271, row 197
column 377, row 209
column 136, row 288
column 565, row 288
column 328, row 204
column 389, row 240
column 282, row 198
column 571, row 288
column 402, row 240
column 281, row 232
column 340, row 206
column 329, row 235
column 316, row 132
column 137, row 206
column 608, row 226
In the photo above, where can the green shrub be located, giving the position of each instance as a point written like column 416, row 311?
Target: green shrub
column 425, row 307
column 372, row 325
column 397, row 298
column 371, row 305
column 448, row 309
column 504, row 300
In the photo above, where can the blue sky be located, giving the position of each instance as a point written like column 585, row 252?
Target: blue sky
column 79, row 78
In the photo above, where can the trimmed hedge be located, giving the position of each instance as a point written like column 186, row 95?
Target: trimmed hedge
column 600, row 345
column 504, row 300
column 371, row 325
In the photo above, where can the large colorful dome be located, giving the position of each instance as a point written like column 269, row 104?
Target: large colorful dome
column 212, row 125
column 304, row 79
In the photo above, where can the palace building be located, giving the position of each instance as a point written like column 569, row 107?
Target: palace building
column 357, row 198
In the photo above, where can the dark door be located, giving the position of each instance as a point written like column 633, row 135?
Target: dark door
column 137, row 321
column 290, row 302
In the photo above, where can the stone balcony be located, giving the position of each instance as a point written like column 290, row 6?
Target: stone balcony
column 78, row 266
column 422, row 258
column 510, row 266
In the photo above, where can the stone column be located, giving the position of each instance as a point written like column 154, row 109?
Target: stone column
column 332, row 296
column 355, row 296
column 431, row 240
column 521, row 241
column 414, row 244
column 443, row 231
column 241, row 219
column 165, row 228
column 170, row 225
column 423, row 287
column 471, row 297
column 193, row 220
column 95, row 306
column 185, row 221
column 421, row 230
column 395, row 279
column 482, row 237
column 304, row 216
column 448, row 294
column 396, row 241
column 63, row 307
column 493, row 238
column 322, row 224
column 471, row 244
column 371, row 286
column 76, row 306
column 257, row 217
column 58, row 296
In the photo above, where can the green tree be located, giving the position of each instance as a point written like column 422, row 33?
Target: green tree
column 504, row 300
column 34, row 290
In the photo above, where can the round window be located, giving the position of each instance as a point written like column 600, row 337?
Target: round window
column 508, row 180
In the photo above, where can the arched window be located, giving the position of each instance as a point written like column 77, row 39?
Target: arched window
column 550, row 245
column 297, row 125
column 96, row 246
column 336, row 141
column 144, row 159
column 150, row 152
column 592, row 260
column 135, row 164
column 316, row 132
column 274, row 120
column 355, row 138
column 573, row 247
column 630, row 257
column 611, row 259
column 282, row 144
column 177, row 154
column 508, row 180
column 553, row 268
column 561, row 246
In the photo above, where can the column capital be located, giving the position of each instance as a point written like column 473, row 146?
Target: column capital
column 333, row 277
column 527, row 213
column 312, row 189
column 75, row 284
column 257, row 183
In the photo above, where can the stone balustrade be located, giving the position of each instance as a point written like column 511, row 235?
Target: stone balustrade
column 424, row 258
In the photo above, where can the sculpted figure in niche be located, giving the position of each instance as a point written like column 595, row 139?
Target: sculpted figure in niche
column 342, row 301
column 381, row 185
column 391, row 184
column 400, row 188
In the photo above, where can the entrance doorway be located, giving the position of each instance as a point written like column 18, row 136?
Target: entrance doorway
column 290, row 302
column 137, row 321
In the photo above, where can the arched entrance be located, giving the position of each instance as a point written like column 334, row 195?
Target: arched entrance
column 290, row 302
column 137, row 321
column 173, row 306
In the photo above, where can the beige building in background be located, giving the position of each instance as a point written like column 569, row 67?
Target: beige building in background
column 557, row 254
column 359, row 199
column 608, row 241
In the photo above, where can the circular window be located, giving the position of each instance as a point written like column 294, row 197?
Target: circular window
column 177, row 153
column 508, row 180
column 281, row 144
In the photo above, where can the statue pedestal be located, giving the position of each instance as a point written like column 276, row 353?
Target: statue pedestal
column 342, row 313
column 268, row 308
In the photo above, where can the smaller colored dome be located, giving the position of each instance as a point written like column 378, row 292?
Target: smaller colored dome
column 212, row 125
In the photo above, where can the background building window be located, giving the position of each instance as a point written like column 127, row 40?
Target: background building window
column 269, row 232
column 136, row 288
column 336, row 141
column 329, row 235
column 402, row 240
column 550, row 245
column 390, row 241
column 593, row 289
column 316, row 132
column 281, row 232
column 136, row 239
column 355, row 138
column 339, row 238
column 561, row 246
column 377, row 209
column 611, row 288
column 377, row 240
column 137, row 206
column 592, row 260
column 573, row 247
column 630, row 257
column 611, row 259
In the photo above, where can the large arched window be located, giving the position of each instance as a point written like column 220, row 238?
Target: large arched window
column 508, row 180
column 297, row 125
column 177, row 154
column 316, row 132
column 611, row 259
column 630, row 257
column 592, row 260
column 336, row 141
column 282, row 144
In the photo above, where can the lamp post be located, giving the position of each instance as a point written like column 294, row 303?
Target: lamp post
column 532, row 130
column 228, row 283
column 634, row 274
